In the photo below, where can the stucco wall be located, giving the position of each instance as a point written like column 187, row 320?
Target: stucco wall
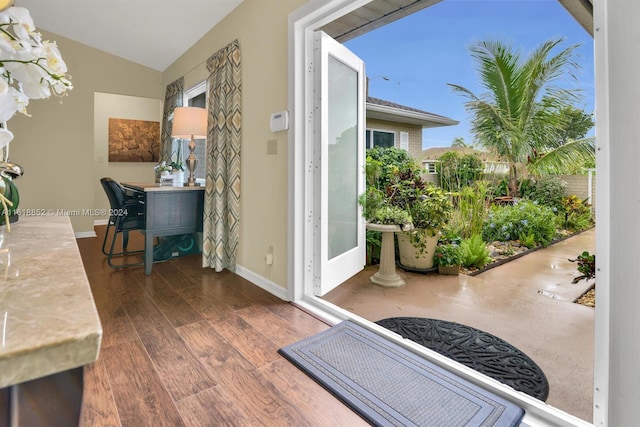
column 415, row 134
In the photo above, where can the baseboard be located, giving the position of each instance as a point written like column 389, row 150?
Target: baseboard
column 100, row 222
column 262, row 282
column 85, row 234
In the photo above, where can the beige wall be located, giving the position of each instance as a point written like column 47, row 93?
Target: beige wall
column 56, row 145
column 579, row 185
column 415, row 134
column 261, row 29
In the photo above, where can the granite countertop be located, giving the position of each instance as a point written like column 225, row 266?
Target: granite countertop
column 48, row 319
column 158, row 187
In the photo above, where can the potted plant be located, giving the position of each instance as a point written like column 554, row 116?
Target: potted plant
column 430, row 209
column 448, row 257
column 398, row 196
column 177, row 166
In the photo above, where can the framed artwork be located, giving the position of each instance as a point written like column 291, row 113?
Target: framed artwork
column 134, row 140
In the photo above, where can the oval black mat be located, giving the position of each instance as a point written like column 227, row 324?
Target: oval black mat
column 476, row 349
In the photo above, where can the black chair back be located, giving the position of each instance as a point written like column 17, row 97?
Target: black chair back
column 115, row 193
column 127, row 214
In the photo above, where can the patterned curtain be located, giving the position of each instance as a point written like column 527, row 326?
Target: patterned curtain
column 221, row 227
column 172, row 99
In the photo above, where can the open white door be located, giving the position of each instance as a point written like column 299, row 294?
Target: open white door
column 339, row 164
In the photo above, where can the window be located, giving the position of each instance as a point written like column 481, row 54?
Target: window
column 196, row 97
column 430, row 166
column 404, row 141
column 380, row 138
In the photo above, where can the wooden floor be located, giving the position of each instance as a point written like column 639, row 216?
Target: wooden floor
column 188, row 346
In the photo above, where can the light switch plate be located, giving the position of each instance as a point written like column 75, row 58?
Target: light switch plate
column 272, row 146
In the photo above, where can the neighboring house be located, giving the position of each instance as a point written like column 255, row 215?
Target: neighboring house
column 430, row 157
column 394, row 125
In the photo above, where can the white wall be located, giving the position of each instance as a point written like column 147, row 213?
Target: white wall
column 617, row 372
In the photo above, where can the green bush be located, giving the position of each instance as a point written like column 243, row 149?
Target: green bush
column 458, row 171
column 548, row 191
column 448, row 255
column 472, row 203
column 475, row 252
column 576, row 214
column 523, row 219
column 384, row 163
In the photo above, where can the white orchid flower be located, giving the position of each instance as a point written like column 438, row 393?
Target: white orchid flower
column 31, row 68
column 54, row 59
column 23, row 23
column 5, row 137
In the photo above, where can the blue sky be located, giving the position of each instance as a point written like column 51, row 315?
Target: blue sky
column 423, row 52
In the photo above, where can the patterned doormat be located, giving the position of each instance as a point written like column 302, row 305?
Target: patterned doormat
column 390, row 386
column 476, row 349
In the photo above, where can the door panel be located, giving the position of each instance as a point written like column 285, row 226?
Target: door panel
column 340, row 155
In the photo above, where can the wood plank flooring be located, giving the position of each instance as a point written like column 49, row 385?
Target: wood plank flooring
column 187, row 346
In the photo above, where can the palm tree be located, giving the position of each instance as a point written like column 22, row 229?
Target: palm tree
column 518, row 117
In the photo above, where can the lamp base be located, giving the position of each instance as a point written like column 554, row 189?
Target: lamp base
column 192, row 161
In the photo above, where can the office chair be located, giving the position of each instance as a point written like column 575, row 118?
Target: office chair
column 127, row 214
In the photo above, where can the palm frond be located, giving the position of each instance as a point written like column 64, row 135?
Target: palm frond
column 568, row 156
column 519, row 116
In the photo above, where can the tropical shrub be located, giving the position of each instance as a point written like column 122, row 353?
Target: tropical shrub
column 458, row 171
column 475, row 252
column 382, row 164
column 522, row 219
column 448, row 255
column 472, row 203
column 576, row 214
column 549, row 191
column 586, row 266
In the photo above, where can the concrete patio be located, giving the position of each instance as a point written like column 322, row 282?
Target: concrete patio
column 528, row 302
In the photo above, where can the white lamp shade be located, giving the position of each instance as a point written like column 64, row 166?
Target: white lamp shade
column 188, row 121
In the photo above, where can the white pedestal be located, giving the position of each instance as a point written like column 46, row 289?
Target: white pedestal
column 386, row 274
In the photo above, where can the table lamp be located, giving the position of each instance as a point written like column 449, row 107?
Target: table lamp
column 5, row 4
column 190, row 122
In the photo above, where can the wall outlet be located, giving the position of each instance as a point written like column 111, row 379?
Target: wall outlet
column 268, row 257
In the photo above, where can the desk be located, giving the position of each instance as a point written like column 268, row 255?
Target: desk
column 476, row 349
column 168, row 211
column 49, row 324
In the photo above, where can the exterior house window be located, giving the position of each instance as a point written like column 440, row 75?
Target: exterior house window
column 404, row 141
column 380, row 138
column 196, row 97
column 430, row 166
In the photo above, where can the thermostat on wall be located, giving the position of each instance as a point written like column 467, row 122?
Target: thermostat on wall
column 279, row 121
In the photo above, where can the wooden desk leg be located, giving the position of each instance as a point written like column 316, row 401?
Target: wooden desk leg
column 148, row 252
column 386, row 274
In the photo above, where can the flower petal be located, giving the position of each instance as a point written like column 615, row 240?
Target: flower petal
column 5, row 137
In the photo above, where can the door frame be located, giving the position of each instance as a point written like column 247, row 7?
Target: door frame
column 302, row 23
